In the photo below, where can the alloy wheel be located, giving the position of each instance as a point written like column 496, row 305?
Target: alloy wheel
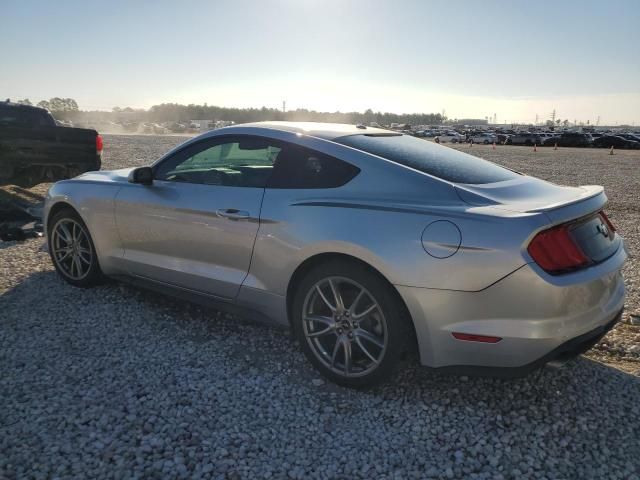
column 71, row 248
column 344, row 326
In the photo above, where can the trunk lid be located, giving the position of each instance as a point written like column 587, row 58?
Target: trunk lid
column 578, row 208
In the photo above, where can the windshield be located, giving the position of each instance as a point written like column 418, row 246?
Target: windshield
column 442, row 162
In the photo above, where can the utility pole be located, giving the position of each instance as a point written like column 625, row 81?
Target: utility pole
column 284, row 106
column 536, row 119
column 598, row 121
column 553, row 116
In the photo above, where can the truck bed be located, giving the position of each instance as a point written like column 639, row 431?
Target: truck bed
column 29, row 156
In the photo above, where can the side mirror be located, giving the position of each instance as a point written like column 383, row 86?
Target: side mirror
column 142, row 175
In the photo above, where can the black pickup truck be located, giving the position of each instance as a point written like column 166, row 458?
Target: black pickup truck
column 34, row 150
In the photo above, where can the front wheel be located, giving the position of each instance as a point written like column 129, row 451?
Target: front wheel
column 72, row 251
column 350, row 323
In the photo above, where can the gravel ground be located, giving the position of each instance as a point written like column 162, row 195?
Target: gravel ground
column 115, row 382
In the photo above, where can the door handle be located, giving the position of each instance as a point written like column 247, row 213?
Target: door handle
column 232, row 213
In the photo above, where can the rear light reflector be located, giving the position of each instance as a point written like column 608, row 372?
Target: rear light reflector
column 556, row 251
column 470, row 337
column 99, row 144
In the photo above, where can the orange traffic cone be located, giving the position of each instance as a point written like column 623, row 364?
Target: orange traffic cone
column 555, row 146
column 535, row 147
column 611, row 151
column 494, row 145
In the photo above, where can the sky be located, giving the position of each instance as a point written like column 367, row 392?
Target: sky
column 512, row 58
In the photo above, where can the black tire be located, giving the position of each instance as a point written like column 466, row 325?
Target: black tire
column 398, row 331
column 93, row 275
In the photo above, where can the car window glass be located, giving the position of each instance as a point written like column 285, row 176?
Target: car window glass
column 442, row 162
column 14, row 117
column 299, row 167
column 238, row 162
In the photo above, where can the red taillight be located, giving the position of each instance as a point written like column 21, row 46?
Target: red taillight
column 470, row 337
column 555, row 250
column 99, row 144
column 608, row 222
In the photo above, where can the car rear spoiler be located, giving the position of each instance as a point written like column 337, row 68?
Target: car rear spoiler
column 531, row 195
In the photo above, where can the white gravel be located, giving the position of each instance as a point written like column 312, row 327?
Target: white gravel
column 115, row 382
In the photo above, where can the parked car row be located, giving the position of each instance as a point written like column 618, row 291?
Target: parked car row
column 561, row 139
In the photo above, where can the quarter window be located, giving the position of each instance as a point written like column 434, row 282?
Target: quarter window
column 299, row 167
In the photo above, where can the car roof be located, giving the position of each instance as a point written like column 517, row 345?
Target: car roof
column 327, row 131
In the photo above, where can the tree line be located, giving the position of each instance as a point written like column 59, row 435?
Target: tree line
column 174, row 111
column 55, row 104
column 67, row 109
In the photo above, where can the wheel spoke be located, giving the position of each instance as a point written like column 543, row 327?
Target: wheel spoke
column 78, row 265
column 66, row 255
column 336, row 349
column 370, row 337
column 321, row 333
column 336, row 295
column 81, row 256
column 330, row 325
column 365, row 350
column 354, row 304
column 319, row 319
column 347, row 356
column 371, row 308
column 64, row 232
column 324, row 299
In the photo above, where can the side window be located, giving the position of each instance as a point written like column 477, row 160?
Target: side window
column 299, row 167
column 233, row 162
column 14, row 117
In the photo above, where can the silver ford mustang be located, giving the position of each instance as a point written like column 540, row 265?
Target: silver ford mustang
column 368, row 243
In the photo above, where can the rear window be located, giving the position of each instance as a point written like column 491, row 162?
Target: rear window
column 24, row 117
column 442, row 162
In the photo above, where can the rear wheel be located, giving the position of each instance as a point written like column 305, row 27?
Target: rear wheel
column 350, row 324
column 72, row 251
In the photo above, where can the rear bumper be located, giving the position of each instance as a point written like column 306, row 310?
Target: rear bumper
column 538, row 319
column 562, row 353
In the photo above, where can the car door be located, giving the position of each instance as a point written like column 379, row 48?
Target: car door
column 195, row 226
